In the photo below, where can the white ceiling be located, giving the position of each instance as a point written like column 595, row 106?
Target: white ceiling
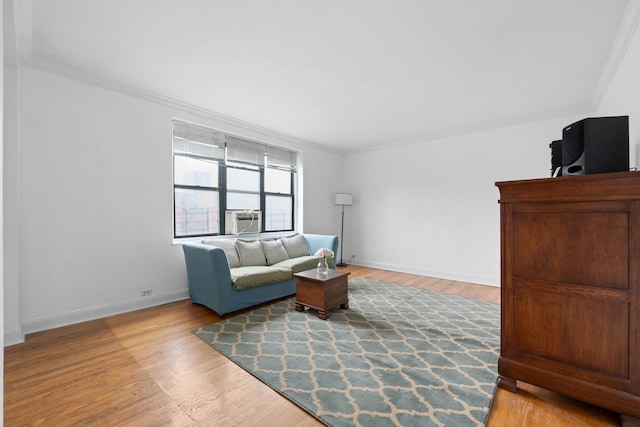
column 349, row 74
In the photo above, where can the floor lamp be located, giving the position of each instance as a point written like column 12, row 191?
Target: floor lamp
column 342, row 199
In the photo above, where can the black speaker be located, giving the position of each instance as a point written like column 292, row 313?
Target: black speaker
column 596, row 145
column 556, row 158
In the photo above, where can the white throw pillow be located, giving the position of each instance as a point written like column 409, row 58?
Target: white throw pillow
column 229, row 247
column 274, row 251
column 250, row 252
column 296, row 245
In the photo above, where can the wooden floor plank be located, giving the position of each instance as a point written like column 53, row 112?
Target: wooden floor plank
column 146, row 368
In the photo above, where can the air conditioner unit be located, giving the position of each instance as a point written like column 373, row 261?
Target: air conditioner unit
column 243, row 222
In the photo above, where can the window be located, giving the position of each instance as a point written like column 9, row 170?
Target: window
column 278, row 199
column 214, row 172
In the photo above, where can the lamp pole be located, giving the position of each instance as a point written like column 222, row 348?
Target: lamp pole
column 341, row 263
column 342, row 199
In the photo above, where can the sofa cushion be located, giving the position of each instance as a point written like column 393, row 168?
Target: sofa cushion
column 250, row 253
column 252, row 276
column 296, row 245
column 299, row 264
column 274, row 251
column 229, row 246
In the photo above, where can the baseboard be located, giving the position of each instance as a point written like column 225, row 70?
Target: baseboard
column 480, row 280
column 13, row 336
column 100, row 312
column 16, row 336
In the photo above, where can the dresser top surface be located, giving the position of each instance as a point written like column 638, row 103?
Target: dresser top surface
column 606, row 186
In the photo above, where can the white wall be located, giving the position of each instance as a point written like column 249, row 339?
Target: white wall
column 89, row 181
column 432, row 208
column 95, row 195
column 623, row 96
column 2, row 222
column 323, row 177
column 12, row 325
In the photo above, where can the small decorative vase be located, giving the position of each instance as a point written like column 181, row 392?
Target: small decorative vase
column 323, row 268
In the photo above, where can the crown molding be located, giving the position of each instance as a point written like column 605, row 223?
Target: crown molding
column 576, row 110
column 226, row 123
column 624, row 36
column 18, row 20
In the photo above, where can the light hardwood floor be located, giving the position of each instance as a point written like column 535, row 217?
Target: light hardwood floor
column 145, row 368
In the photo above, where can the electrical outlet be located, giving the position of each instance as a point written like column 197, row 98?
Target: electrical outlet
column 145, row 292
column 353, row 257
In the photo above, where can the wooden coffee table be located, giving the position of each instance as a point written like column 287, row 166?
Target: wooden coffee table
column 322, row 292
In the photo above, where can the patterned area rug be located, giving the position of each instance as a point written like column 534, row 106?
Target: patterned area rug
column 398, row 356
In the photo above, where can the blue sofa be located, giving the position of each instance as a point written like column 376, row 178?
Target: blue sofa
column 210, row 281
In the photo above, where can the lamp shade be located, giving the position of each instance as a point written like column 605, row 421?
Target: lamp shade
column 344, row 199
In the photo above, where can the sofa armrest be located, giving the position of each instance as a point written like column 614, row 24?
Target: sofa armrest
column 319, row 241
column 208, row 274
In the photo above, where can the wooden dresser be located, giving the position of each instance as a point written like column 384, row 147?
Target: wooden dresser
column 570, row 273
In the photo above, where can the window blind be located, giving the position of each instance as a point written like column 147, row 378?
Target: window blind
column 197, row 141
column 244, row 152
column 281, row 158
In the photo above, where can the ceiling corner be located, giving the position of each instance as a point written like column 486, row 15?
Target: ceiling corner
column 626, row 31
column 23, row 20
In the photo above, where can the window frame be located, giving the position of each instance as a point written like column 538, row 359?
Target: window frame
column 196, row 188
column 222, row 188
column 292, row 195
